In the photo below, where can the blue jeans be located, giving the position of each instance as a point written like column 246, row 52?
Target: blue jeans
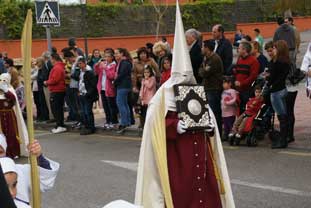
column 124, row 110
column 87, row 112
column 278, row 101
column 73, row 103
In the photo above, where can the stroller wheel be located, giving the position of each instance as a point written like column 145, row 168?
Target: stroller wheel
column 237, row 141
column 254, row 142
column 251, row 140
column 231, row 141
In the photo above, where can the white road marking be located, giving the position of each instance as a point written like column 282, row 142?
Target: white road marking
column 127, row 165
column 43, row 134
column 134, row 165
column 271, row 188
column 302, row 154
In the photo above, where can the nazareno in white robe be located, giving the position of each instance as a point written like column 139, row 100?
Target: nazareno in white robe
column 46, row 177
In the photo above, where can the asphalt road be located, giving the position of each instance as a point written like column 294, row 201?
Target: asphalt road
column 97, row 169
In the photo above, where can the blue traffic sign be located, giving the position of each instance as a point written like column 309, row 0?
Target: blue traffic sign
column 47, row 13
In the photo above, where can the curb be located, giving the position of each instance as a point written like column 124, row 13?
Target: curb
column 131, row 131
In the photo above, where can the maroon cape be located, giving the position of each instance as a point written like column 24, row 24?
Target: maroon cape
column 191, row 171
column 9, row 124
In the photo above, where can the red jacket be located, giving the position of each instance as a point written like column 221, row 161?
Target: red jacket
column 253, row 106
column 246, row 72
column 165, row 75
column 56, row 81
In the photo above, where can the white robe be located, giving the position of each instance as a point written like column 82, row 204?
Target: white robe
column 21, row 126
column 149, row 193
column 306, row 65
column 21, row 204
column 120, row 204
column 47, row 179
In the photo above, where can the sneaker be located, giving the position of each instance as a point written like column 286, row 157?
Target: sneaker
column 59, row 130
column 77, row 125
column 54, row 129
column 106, row 126
column 121, row 129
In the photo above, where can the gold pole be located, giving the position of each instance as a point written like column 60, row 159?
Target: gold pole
column 26, row 56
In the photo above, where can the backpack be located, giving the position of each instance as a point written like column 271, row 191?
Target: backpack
column 295, row 75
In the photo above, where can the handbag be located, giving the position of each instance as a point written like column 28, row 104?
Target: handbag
column 295, row 75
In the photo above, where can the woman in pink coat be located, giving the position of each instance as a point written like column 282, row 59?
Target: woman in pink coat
column 147, row 91
column 106, row 71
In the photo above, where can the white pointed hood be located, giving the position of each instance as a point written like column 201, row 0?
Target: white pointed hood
column 7, row 165
column 182, row 72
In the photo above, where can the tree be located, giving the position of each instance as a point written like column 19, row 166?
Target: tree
column 287, row 6
column 160, row 6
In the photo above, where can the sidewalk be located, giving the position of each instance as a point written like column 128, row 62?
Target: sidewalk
column 302, row 112
column 99, row 117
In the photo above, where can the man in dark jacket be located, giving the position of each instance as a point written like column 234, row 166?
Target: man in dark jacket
column 212, row 72
column 192, row 38
column 287, row 33
column 88, row 95
column 44, row 74
column 223, row 48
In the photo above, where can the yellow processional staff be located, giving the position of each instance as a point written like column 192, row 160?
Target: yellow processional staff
column 26, row 57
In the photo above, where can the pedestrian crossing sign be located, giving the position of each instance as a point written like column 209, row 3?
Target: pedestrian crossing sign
column 47, row 13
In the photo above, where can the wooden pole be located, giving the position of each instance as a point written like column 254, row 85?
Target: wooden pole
column 26, row 56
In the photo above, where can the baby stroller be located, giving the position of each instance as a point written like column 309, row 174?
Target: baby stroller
column 256, row 127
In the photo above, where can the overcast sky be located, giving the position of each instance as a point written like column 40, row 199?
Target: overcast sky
column 69, row 1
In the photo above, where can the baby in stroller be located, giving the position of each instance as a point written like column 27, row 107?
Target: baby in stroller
column 245, row 122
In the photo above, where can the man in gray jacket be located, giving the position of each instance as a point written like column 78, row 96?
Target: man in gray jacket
column 287, row 33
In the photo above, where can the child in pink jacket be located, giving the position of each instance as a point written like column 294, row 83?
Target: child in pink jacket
column 147, row 91
column 229, row 106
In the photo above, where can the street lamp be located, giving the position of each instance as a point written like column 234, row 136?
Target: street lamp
column 84, row 15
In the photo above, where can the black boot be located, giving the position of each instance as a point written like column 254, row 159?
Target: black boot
column 282, row 141
column 291, row 124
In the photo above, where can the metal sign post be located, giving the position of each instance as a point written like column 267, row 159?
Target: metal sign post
column 48, row 37
column 47, row 14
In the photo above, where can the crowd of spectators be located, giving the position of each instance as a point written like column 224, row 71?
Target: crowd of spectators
column 125, row 84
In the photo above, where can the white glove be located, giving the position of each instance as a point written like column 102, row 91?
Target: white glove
column 181, row 127
column 210, row 129
column 4, row 87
